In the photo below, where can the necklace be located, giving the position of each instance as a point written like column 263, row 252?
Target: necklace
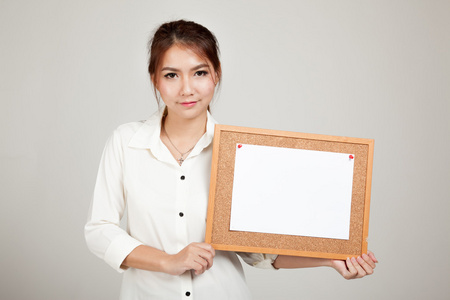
column 181, row 159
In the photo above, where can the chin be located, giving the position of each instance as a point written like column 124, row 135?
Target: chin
column 191, row 113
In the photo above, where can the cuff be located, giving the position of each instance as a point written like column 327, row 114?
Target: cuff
column 118, row 250
column 259, row 260
column 267, row 262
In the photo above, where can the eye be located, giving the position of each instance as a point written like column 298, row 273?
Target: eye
column 201, row 73
column 170, row 75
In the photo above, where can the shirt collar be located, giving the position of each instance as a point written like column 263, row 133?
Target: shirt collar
column 148, row 137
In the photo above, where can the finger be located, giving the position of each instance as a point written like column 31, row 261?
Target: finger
column 351, row 269
column 367, row 268
column 200, row 256
column 372, row 256
column 207, row 247
column 203, row 263
column 203, row 257
column 210, row 263
column 341, row 268
column 195, row 263
column 198, row 267
column 369, row 261
column 207, row 252
column 207, row 257
column 195, row 257
column 200, row 264
column 207, row 264
column 359, row 269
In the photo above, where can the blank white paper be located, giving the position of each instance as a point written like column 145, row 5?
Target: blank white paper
column 292, row 191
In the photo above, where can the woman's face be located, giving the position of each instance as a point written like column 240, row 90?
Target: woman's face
column 186, row 83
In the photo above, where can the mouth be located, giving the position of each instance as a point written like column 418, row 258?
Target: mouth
column 188, row 103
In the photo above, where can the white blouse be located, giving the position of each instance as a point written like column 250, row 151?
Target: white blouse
column 166, row 208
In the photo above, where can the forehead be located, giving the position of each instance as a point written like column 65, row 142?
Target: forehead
column 179, row 57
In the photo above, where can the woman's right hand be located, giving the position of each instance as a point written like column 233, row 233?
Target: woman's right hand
column 195, row 256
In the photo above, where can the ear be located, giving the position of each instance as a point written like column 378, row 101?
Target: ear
column 216, row 78
column 217, row 75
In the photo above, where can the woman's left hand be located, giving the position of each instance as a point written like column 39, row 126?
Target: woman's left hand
column 355, row 267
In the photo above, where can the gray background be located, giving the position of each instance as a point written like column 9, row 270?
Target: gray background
column 72, row 71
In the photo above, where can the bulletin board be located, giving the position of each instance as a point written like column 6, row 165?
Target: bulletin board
column 229, row 140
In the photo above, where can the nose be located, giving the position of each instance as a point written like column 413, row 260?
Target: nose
column 186, row 87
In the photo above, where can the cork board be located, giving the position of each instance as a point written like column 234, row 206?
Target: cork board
column 218, row 231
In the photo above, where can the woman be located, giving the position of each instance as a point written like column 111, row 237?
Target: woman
column 158, row 171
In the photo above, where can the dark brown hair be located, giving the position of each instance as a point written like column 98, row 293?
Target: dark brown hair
column 185, row 34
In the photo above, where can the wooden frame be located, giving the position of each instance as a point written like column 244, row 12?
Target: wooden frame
column 218, row 231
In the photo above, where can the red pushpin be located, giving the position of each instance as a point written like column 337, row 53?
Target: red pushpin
column 351, row 156
column 239, row 146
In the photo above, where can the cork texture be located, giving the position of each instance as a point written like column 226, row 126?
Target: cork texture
column 223, row 238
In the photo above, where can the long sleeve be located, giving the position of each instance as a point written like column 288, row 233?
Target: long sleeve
column 258, row 260
column 103, row 235
column 166, row 207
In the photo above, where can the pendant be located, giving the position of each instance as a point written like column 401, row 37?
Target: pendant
column 180, row 160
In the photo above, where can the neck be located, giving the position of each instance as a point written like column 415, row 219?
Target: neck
column 185, row 130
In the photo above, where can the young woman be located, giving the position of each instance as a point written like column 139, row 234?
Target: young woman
column 159, row 170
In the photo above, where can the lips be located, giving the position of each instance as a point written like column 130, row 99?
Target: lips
column 188, row 103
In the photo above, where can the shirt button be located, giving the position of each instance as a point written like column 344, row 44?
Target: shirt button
column 181, row 214
column 182, row 177
column 188, row 294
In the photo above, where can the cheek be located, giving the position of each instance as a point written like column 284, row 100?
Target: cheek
column 165, row 90
column 209, row 88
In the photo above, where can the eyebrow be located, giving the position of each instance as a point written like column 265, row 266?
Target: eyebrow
column 192, row 69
